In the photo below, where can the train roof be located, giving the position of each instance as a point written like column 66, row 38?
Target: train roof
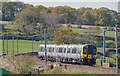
column 66, row 45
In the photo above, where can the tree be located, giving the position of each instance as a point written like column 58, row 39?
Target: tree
column 68, row 36
column 68, row 13
column 26, row 22
column 41, row 8
column 9, row 9
column 29, row 5
column 22, row 64
column 50, row 21
column 35, row 21
column 104, row 17
column 85, row 16
column 79, row 20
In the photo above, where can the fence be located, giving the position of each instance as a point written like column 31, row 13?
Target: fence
column 21, row 44
column 30, row 43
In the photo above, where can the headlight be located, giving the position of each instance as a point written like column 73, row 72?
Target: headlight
column 85, row 55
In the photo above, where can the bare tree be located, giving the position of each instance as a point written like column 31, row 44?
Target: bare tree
column 50, row 21
column 21, row 64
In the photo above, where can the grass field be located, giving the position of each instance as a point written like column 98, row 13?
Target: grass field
column 77, row 30
column 108, row 60
column 61, row 71
column 79, row 72
column 23, row 46
column 8, row 26
column 99, row 32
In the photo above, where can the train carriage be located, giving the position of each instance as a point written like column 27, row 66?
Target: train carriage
column 85, row 54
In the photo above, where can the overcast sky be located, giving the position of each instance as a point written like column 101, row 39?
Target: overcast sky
column 111, row 4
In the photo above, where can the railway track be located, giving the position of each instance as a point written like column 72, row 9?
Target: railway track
column 74, row 67
column 30, row 53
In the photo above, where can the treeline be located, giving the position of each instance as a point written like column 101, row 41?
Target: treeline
column 30, row 20
column 88, row 16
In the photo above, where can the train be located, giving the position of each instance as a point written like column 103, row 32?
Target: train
column 79, row 54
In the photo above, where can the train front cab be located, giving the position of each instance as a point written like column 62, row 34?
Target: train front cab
column 89, row 54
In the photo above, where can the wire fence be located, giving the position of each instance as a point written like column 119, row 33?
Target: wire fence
column 21, row 44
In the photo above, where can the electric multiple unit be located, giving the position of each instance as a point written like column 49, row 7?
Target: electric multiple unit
column 82, row 54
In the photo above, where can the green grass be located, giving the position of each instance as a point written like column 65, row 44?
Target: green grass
column 79, row 72
column 8, row 26
column 0, row 47
column 99, row 32
column 23, row 46
column 58, row 70
column 79, row 31
column 108, row 60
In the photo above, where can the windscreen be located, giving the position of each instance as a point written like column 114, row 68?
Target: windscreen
column 89, row 49
column 85, row 50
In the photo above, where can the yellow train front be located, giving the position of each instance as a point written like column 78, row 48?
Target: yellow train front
column 88, row 54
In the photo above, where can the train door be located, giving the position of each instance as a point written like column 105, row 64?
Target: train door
column 69, row 52
column 52, row 52
column 77, row 49
column 73, row 52
column 55, row 51
column 60, row 52
column 47, row 49
column 64, row 52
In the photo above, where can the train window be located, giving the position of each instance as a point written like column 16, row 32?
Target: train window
column 64, row 50
column 60, row 50
column 49, row 49
column 43, row 49
column 94, row 50
column 90, row 49
column 85, row 50
column 52, row 49
column 74, row 50
column 68, row 51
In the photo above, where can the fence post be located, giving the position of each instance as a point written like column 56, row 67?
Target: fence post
column 32, row 43
column 45, row 47
column 3, row 44
column 17, row 44
column 61, row 39
column 117, row 70
column 104, row 45
column 7, row 45
column 13, row 44
column 50, row 41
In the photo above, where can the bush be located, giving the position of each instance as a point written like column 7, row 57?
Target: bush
column 21, row 64
column 57, row 70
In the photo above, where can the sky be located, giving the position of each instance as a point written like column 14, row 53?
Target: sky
column 111, row 4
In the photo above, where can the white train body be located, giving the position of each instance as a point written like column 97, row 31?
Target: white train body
column 68, row 53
